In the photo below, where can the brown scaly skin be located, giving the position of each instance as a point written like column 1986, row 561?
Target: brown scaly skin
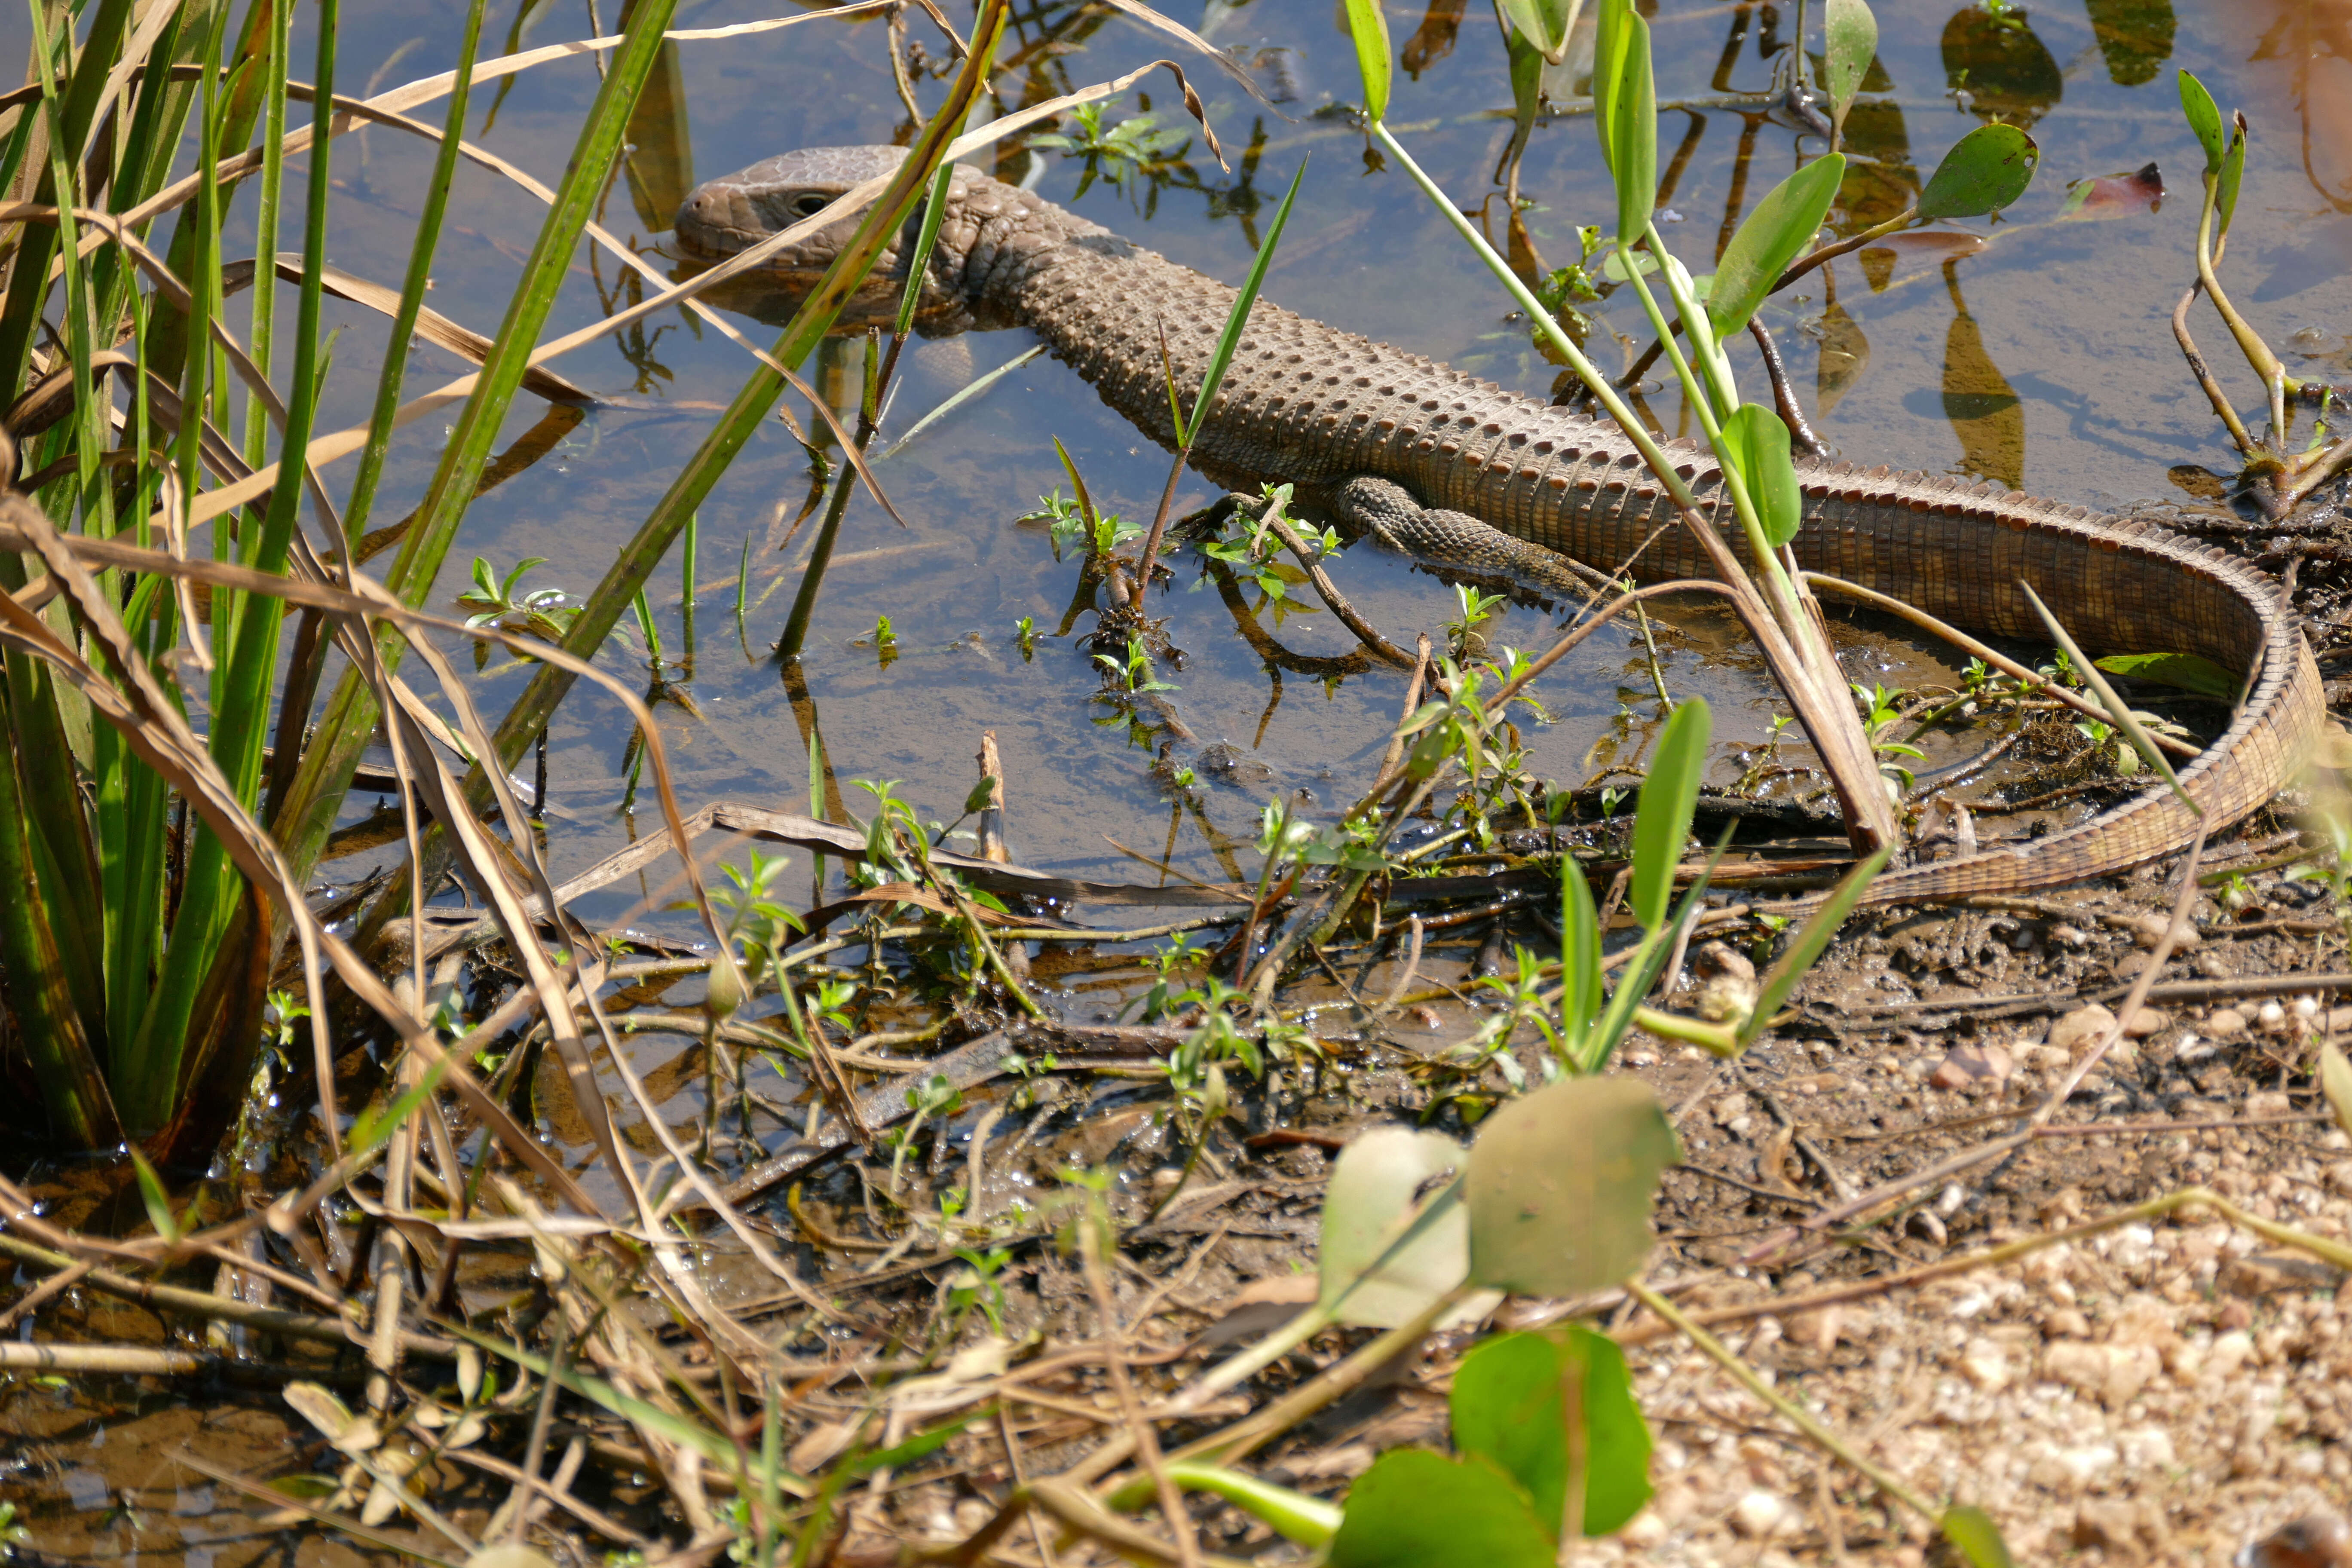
column 1337, row 414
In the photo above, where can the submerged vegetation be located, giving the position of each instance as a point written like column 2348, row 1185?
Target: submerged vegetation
column 386, row 1143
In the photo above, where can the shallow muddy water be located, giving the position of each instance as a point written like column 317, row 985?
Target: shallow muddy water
column 2040, row 357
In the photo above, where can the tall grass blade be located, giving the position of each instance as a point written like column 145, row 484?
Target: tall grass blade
column 2117, row 709
column 1238, row 317
column 1782, row 977
column 309, row 814
column 1662, row 822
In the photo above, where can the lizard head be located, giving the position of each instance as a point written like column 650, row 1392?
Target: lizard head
column 727, row 216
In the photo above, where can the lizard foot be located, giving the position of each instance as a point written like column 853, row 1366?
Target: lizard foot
column 1387, row 511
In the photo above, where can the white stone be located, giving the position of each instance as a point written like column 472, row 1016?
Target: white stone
column 1760, row 1515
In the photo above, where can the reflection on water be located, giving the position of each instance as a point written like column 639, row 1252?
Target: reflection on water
column 2135, row 36
column 1984, row 410
column 1993, row 57
column 2029, row 353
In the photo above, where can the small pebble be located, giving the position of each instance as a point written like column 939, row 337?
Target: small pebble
column 2080, row 1030
column 2226, row 1024
column 2148, row 930
column 1760, row 1515
column 2146, row 1022
column 1972, row 1064
column 2323, row 1540
column 2067, row 936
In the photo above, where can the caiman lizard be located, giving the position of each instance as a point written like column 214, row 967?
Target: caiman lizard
column 1376, row 436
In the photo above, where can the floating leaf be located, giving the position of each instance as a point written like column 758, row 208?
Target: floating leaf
column 2335, row 1082
column 1972, row 1530
column 2204, row 118
column 1758, row 441
column 1985, row 171
column 1853, row 45
column 2185, row 671
column 1662, row 821
column 1781, row 227
column 1508, row 1407
column 1368, row 1204
column 1560, row 1185
column 1368, row 25
column 1414, row 1509
column 2115, row 195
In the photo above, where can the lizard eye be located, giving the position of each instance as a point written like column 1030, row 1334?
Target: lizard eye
column 809, row 205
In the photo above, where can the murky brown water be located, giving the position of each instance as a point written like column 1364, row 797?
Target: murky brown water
column 2042, row 359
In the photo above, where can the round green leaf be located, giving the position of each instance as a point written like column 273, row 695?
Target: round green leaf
column 1414, row 1509
column 1508, row 1407
column 1368, row 1205
column 1986, row 170
column 1662, row 821
column 1560, row 1185
column 1780, row 228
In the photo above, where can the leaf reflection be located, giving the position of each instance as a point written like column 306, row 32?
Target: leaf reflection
column 1977, row 399
column 1995, row 58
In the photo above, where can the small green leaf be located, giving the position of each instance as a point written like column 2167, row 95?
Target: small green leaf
column 1544, row 24
column 1985, row 171
column 1508, row 1407
column 1560, row 1184
column 1852, row 44
column 2185, row 671
column 2233, row 172
column 1626, row 113
column 1414, row 1509
column 1369, row 26
column 1758, row 447
column 1579, row 956
column 368, row 1129
column 2335, row 1082
column 1782, row 977
column 1774, row 235
column 1972, row 1530
column 1368, row 1204
column 152, row 1193
column 1238, row 317
column 1662, row 822
column 2204, row 118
